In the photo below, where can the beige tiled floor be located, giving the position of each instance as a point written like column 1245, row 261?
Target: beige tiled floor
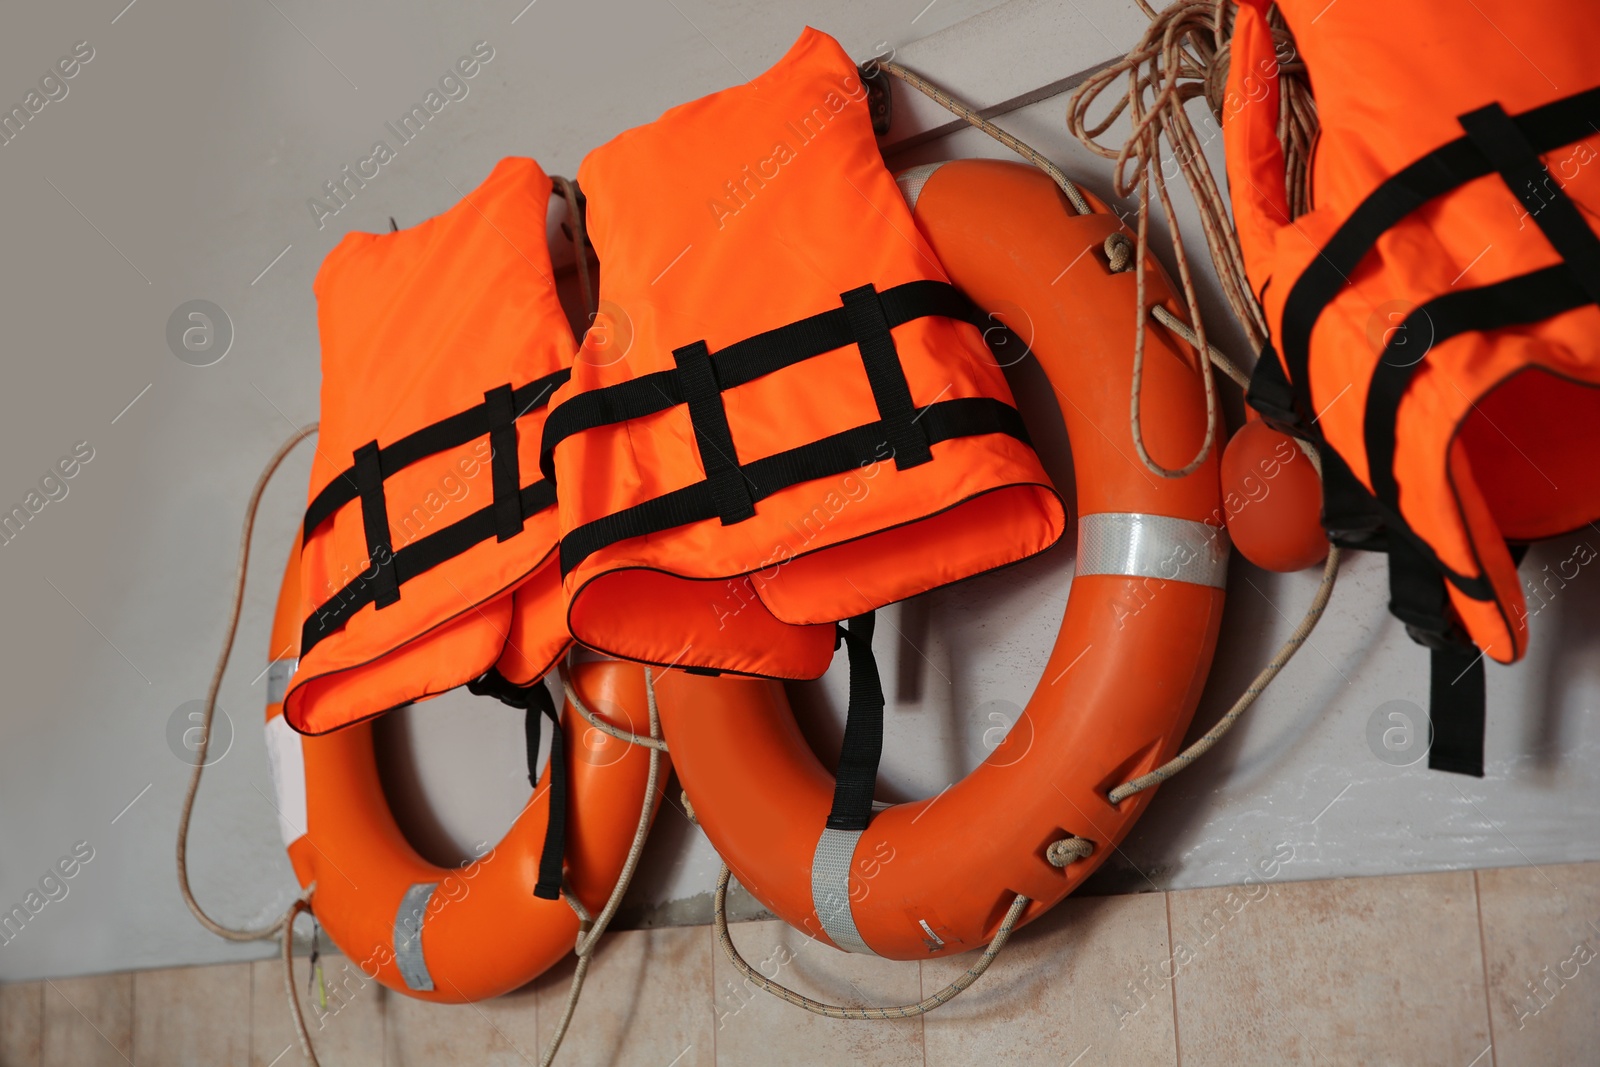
column 1541, row 934
column 1460, row 969
column 1370, row 970
column 88, row 1022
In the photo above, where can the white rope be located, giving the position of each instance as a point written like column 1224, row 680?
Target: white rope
column 285, row 925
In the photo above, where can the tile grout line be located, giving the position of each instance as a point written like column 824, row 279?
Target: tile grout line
column 921, row 987
column 711, row 978
column 382, row 993
column 1177, row 1053
column 40, row 1061
column 1483, row 958
column 250, row 1030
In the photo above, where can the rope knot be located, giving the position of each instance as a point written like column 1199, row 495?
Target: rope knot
column 1069, row 850
column 1119, row 252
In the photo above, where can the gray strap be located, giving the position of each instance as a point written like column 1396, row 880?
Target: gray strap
column 1153, row 546
column 830, row 888
column 408, row 936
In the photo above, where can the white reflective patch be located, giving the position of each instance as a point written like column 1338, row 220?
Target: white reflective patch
column 279, row 672
column 408, row 922
column 288, row 778
column 911, row 182
column 1153, row 546
column 830, row 888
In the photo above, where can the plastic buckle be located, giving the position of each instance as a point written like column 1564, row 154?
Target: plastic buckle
column 880, row 103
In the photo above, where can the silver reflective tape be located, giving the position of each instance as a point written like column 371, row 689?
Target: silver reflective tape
column 1153, row 546
column 279, row 671
column 408, row 936
column 911, row 182
column 830, row 888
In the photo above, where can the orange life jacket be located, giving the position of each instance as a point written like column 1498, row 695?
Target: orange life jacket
column 1434, row 317
column 787, row 416
column 429, row 533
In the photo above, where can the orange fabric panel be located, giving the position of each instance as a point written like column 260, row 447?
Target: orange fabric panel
column 728, row 217
column 416, row 326
column 1547, row 489
column 538, row 630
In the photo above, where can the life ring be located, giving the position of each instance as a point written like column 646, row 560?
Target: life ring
column 938, row 876
column 450, row 934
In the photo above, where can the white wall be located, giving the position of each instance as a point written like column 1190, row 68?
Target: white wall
column 187, row 148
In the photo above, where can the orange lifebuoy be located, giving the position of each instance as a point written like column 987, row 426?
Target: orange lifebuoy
column 936, row 876
column 443, row 934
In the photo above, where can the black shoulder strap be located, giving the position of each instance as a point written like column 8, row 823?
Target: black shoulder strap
column 857, row 773
column 535, row 700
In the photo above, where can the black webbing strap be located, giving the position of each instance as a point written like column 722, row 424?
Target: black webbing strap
column 752, row 358
column 418, row 557
column 502, row 419
column 1350, row 514
column 857, row 774
column 1456, row 690
column 1457, row 701
column 890, row 390
column 1447, row 167
column 536, row 702
column 833, row 455
column 1270, row 392
column 1506, row 147
column 501, row 519
column 449, row 432
column 711, row 434
column 368, row 472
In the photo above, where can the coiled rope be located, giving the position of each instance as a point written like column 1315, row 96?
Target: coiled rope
column 1120, row 257
column 1184, row 54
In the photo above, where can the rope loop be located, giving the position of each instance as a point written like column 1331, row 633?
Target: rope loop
column 834, row 1011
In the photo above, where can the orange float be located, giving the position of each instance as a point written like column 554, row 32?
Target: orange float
column 939, row 876
column 437, row 933
column 1273, row 497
